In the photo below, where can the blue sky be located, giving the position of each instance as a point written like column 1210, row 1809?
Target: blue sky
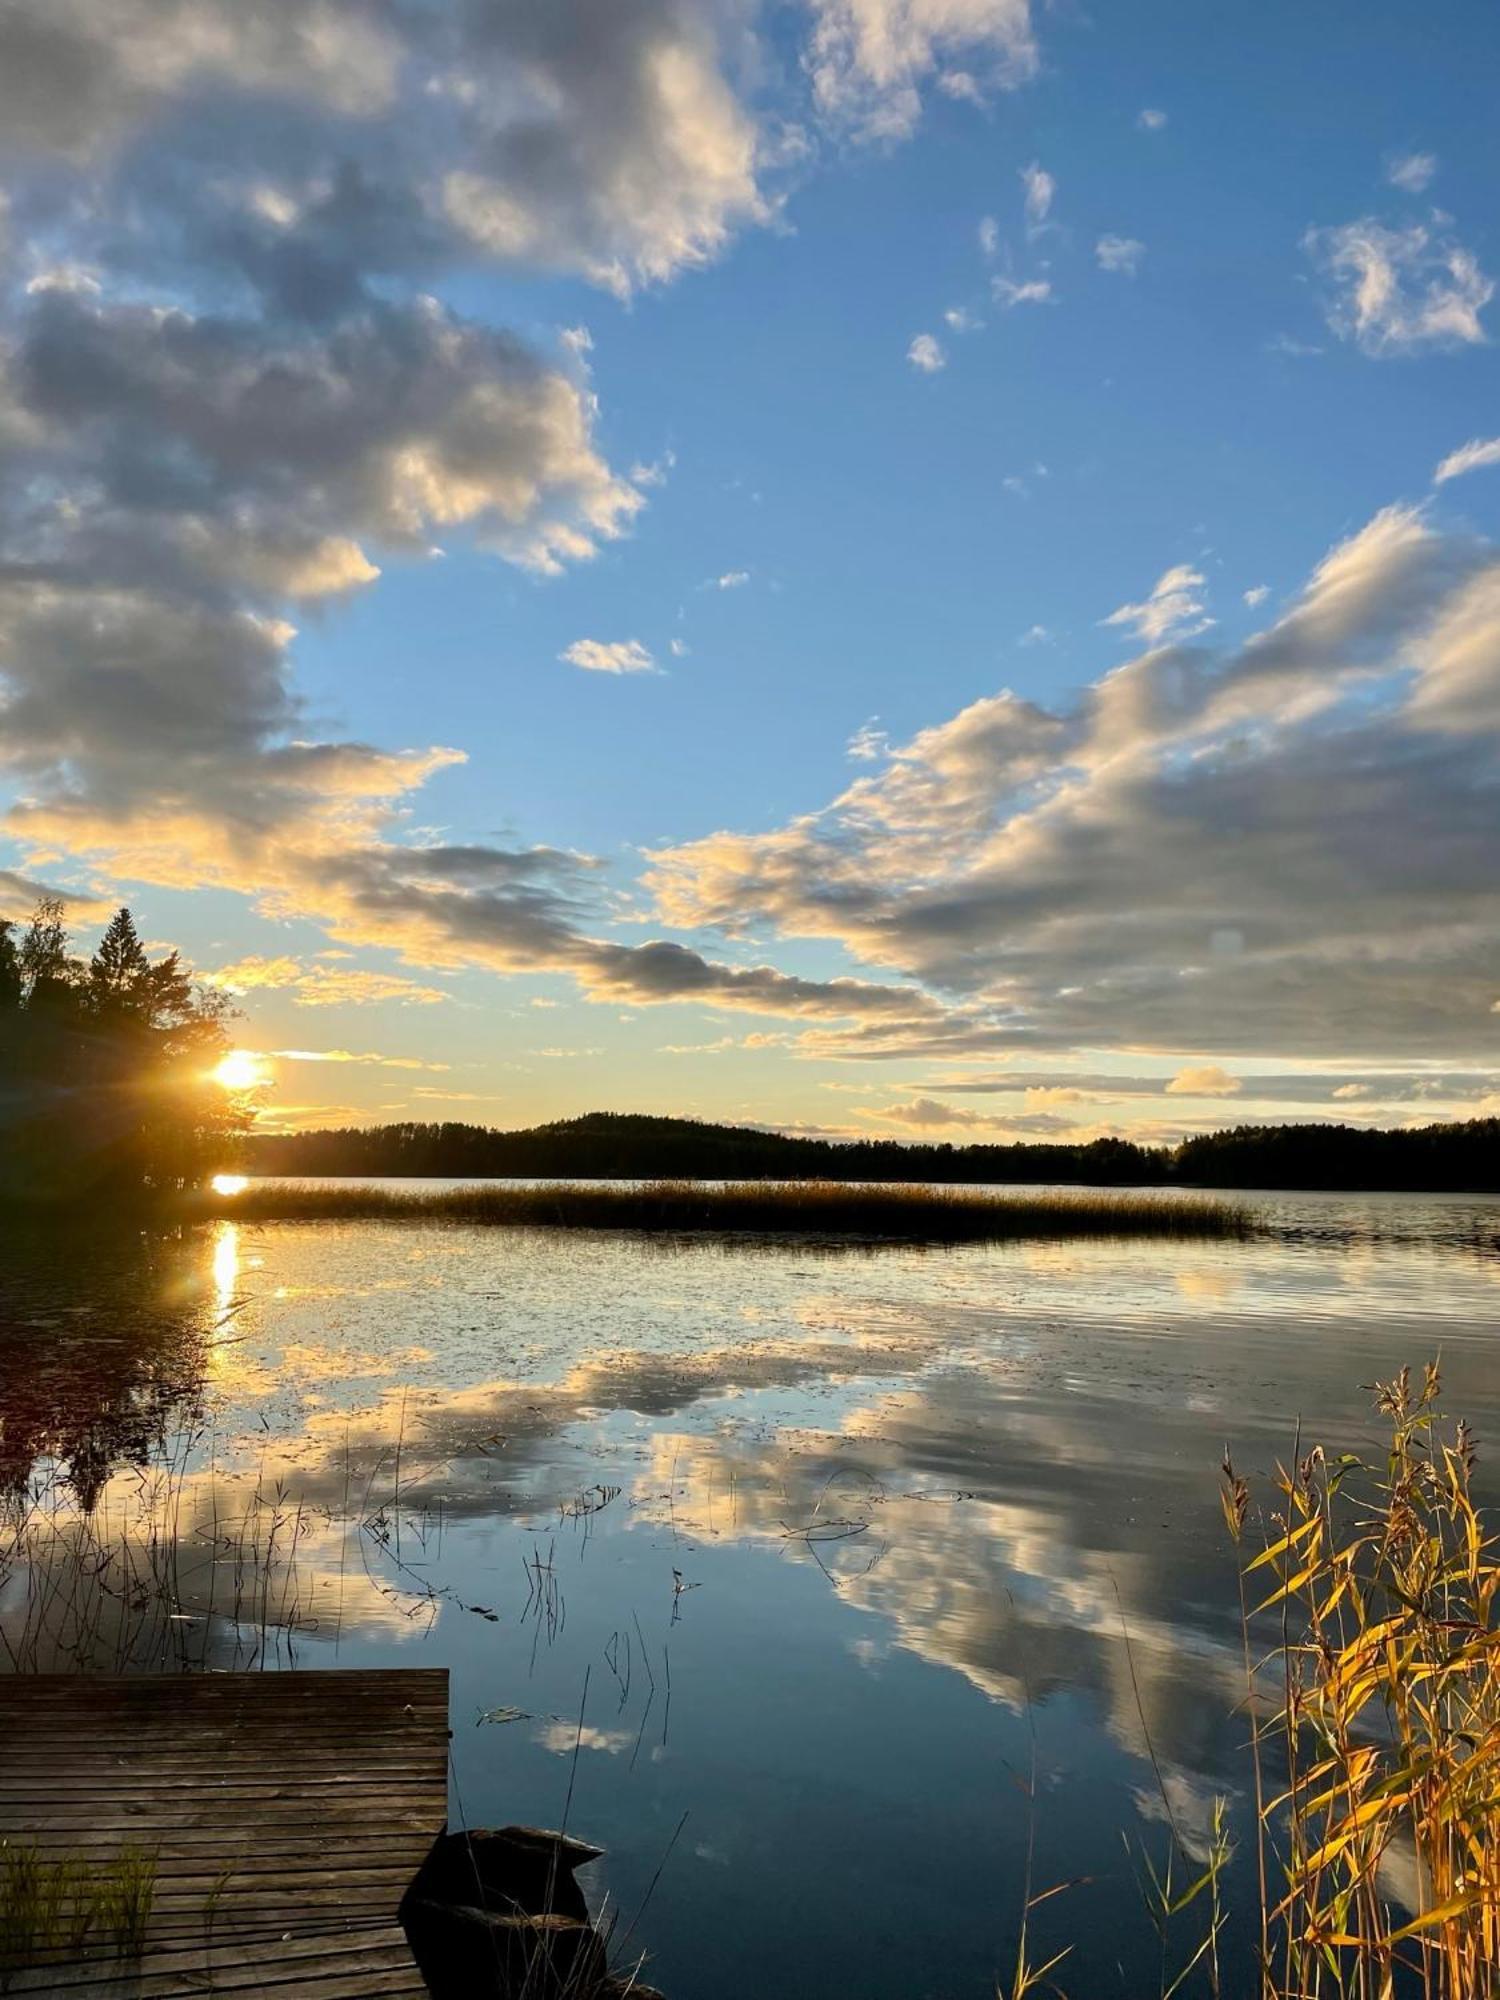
column 840, row 369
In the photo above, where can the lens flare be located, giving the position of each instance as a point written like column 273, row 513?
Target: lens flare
column 229, row 1183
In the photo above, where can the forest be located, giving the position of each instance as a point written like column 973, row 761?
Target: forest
column 622, row 1146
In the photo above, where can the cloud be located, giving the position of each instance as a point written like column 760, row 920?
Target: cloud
column 1471, row 457
column 989, row 235
column 322, row 985
column 616, row 656
column 1207, row 1080
column 732, row 579
column 1119, row 253
column 1400, row 291
column 926, row 354
column 1282, row 849
column 590, row 136
column 1257, row 594
column 961, row 320
column 1008, row 292
column 923, row 1112
column 353, row 1056
column 20, row 894
column 1039, row 192
column 1173, row 610
column 257, row 404
column 1412, row 172
column 1151, row 121
column 868, row 59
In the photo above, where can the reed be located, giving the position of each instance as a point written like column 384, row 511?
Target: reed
column 813, row 1208
column 54, row 1906
column 1386, row 1725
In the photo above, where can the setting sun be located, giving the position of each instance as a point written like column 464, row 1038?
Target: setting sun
column 242, row 1069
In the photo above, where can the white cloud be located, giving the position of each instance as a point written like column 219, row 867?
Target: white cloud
column 989, row 235
column 613, row 656
column 1040, row 190
column 961, row 320
column 1120, row 253
column 867, row 744
column 1206, row 1080
column 1399, row 291
column 1151, row 120
column 1174, row 610
column 732, row 579
column 870, row 58
column 1471, row 457
column 1284, row 847
column 1412, row 172
column 926, row 354
column 679, row 649
column 1257, row 594
column 1008, row 292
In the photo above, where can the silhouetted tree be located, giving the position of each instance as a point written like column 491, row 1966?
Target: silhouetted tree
column 105, row 1068
column 10, row 968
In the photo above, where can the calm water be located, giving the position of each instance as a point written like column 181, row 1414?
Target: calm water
column 823, row 1547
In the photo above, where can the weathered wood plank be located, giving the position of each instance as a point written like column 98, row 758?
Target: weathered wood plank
column 284, row 1814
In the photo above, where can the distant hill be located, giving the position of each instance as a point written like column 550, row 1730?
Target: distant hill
column 609, row 1145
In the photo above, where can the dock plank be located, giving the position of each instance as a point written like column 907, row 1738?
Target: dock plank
column 284, row 1816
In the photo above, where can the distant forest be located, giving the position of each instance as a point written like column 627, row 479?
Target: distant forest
column 620, row 1146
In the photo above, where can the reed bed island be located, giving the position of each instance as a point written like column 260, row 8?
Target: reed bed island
column 782, row 1208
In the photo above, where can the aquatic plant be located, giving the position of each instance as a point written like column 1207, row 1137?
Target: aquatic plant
column 54, row 1905
column 1387, row 1725
column 914, row 1213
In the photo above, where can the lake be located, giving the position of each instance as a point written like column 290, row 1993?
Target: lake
column 778, row 1569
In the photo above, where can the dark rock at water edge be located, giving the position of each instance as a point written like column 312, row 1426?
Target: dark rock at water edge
column 498, row 1911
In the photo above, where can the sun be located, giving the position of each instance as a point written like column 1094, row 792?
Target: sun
column 242, row 1069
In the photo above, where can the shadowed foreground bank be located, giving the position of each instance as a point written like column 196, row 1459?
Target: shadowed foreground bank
column 804, row 1208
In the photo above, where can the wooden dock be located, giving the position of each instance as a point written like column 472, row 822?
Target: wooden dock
column 278, row 1818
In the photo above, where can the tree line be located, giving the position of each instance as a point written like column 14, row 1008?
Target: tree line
column 106, row 1067
column 624, row 1146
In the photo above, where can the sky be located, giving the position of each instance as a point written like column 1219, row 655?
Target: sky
column 907, row 567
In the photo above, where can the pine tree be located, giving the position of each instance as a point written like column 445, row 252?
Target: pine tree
column 120, row 978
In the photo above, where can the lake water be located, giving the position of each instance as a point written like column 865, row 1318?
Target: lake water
column 827, row 1549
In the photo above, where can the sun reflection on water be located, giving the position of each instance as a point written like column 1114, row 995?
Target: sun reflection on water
column 226, row 1265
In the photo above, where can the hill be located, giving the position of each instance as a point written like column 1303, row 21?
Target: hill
column 607, row 1145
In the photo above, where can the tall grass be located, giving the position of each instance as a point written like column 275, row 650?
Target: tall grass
column 53, row 1905
column 1387, row 1726
column 915, row 1213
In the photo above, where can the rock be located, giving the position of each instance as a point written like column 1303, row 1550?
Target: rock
column 516, row 1869
column 466, row 1951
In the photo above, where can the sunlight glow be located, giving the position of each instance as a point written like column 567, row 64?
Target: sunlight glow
column 226, row 1267
column 242, row 1069
column 229, row 1183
